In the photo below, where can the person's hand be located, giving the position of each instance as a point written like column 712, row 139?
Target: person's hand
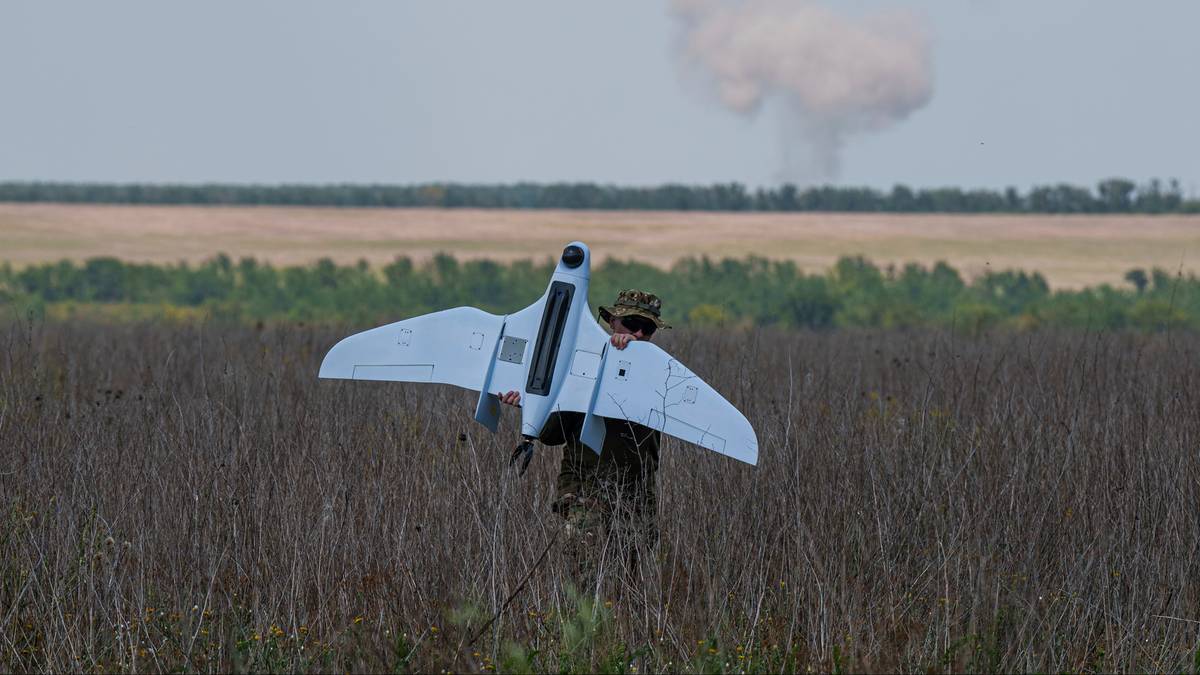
column 621, row 340
column 512, row 398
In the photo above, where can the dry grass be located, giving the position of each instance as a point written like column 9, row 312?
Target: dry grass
column 1071, row 251
column 192, row 497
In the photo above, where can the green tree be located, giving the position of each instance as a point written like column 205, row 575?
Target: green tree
column 1116, row 194
column 1138, row 278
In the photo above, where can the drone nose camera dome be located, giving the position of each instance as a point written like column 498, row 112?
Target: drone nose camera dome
column 572, row 256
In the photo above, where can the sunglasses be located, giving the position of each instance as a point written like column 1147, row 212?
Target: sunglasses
column 637, row 323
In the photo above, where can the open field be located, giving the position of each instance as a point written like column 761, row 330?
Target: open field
column 1071, row 251
column 191, row 497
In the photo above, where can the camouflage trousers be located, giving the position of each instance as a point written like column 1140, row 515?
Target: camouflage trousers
column 607, row 500
column 605, row 531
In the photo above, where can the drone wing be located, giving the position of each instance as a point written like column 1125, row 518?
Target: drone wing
column 454, row 346
column 646, row 385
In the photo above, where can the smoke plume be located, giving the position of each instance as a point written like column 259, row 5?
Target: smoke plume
column 831, row 76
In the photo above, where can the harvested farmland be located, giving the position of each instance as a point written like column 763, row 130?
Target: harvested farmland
column 1071, row 251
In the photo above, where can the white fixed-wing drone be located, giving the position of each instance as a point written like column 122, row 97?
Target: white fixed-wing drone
column 556, row 353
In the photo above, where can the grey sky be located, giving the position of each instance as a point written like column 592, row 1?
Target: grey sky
column 1024, row 93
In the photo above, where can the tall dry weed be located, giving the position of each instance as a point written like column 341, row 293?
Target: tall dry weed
column 192, row 497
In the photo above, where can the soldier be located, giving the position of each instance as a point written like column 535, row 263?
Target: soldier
column 613, row 492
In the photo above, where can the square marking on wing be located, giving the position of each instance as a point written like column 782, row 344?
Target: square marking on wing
column 585, row 364
column 405, row 337
column 689, row 394
column 623, row 370
column 476, row 341
column 512, row 349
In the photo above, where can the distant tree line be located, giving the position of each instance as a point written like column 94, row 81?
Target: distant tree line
column 731, row 292
column 1115, row 195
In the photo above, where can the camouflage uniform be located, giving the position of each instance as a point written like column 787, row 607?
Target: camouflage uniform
column 615, row 487
column 611, row 494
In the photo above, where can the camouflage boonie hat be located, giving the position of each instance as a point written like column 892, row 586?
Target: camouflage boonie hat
column 635, row 303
